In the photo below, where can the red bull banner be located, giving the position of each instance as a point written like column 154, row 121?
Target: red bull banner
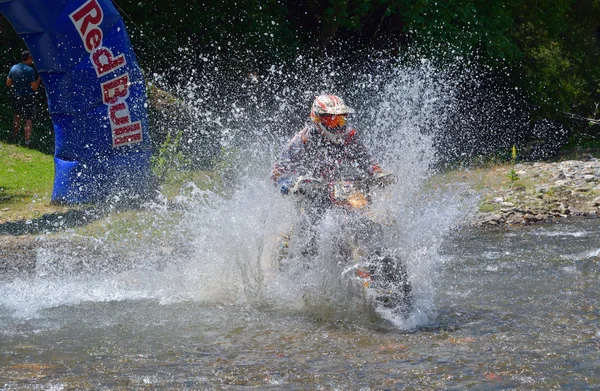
column 96, row 96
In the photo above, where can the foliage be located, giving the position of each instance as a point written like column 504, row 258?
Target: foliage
column 465, row 26
column 513, row 176
column 561, row 52
column 42, row 136
column 243, row 35
column 169, row 157
column 549, row 51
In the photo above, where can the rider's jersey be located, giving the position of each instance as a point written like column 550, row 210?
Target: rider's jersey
column 309, row 154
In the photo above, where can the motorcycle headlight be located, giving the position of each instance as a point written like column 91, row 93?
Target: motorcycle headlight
column 358, row 200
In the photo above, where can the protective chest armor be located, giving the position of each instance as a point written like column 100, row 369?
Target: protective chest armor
column 325, row 160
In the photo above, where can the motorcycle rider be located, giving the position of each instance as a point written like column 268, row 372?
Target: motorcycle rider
column 329, row 150
column 323, row 146
column 320, row 151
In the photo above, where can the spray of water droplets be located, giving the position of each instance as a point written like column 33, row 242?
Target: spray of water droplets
column 222, row 245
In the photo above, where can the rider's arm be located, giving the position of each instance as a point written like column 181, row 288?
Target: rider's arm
column 363, row 156
column 282, row 177
column 285, row 169
column 292, row 163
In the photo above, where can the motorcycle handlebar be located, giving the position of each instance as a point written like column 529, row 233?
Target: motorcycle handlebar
column 305, row 185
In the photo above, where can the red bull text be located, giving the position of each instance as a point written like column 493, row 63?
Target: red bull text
column 87, row 20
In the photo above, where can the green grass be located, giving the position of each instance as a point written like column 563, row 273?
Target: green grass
column 26, row 179
column 25, row 170
column 489, row 208
column 146, row 224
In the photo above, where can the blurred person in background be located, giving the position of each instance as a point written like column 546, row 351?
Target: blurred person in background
column 24, row 82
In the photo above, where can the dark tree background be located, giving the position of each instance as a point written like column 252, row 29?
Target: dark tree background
column 548, row 51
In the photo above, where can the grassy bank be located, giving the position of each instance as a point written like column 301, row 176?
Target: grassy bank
column 26, row 182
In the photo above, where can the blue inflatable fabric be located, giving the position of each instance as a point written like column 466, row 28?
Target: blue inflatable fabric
column 96, row 96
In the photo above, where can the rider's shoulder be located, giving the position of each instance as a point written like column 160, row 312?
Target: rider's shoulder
column 298, row 140
column 305, row 134
column 351, row 134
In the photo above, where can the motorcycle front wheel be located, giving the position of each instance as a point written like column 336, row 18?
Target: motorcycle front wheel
column 390, row 286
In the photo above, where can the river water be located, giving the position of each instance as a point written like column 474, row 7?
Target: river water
column 510, row 309
column 190, row 302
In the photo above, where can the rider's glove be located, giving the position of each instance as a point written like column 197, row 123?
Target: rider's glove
column 285, row 184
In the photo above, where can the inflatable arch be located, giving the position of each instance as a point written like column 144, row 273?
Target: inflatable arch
column 96, row 96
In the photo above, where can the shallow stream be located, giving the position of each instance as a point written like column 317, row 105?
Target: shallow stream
column 512, row 309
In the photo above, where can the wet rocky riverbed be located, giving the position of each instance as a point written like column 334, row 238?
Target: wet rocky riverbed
column 543, row 192
column 495, row 308
column 512, row 309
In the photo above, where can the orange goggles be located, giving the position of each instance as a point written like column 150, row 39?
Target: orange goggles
column 333, row 121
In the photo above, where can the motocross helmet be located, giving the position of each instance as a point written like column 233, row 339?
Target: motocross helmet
column 329, row 113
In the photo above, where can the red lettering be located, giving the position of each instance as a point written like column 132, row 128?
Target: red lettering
column 127, row 129
column 87, row 20
column 114, row 89
column 89, row 13
column 104, row 62
column 134, row 138
column 93, row 39
column 119, row 108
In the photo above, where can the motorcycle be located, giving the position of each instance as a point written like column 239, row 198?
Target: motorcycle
column 369, row 266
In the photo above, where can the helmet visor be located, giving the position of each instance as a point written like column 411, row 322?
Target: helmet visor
column 333, row 121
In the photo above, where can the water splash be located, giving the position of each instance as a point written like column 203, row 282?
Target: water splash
column 226, row 245
column 400, row 114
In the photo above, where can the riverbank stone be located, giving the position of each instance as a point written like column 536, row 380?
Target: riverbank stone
column 544, row 192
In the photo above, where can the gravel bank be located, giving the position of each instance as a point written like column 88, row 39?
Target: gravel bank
column 541, row 192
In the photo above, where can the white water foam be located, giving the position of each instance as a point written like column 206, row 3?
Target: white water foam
column 576, row 234
column 231, row 240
